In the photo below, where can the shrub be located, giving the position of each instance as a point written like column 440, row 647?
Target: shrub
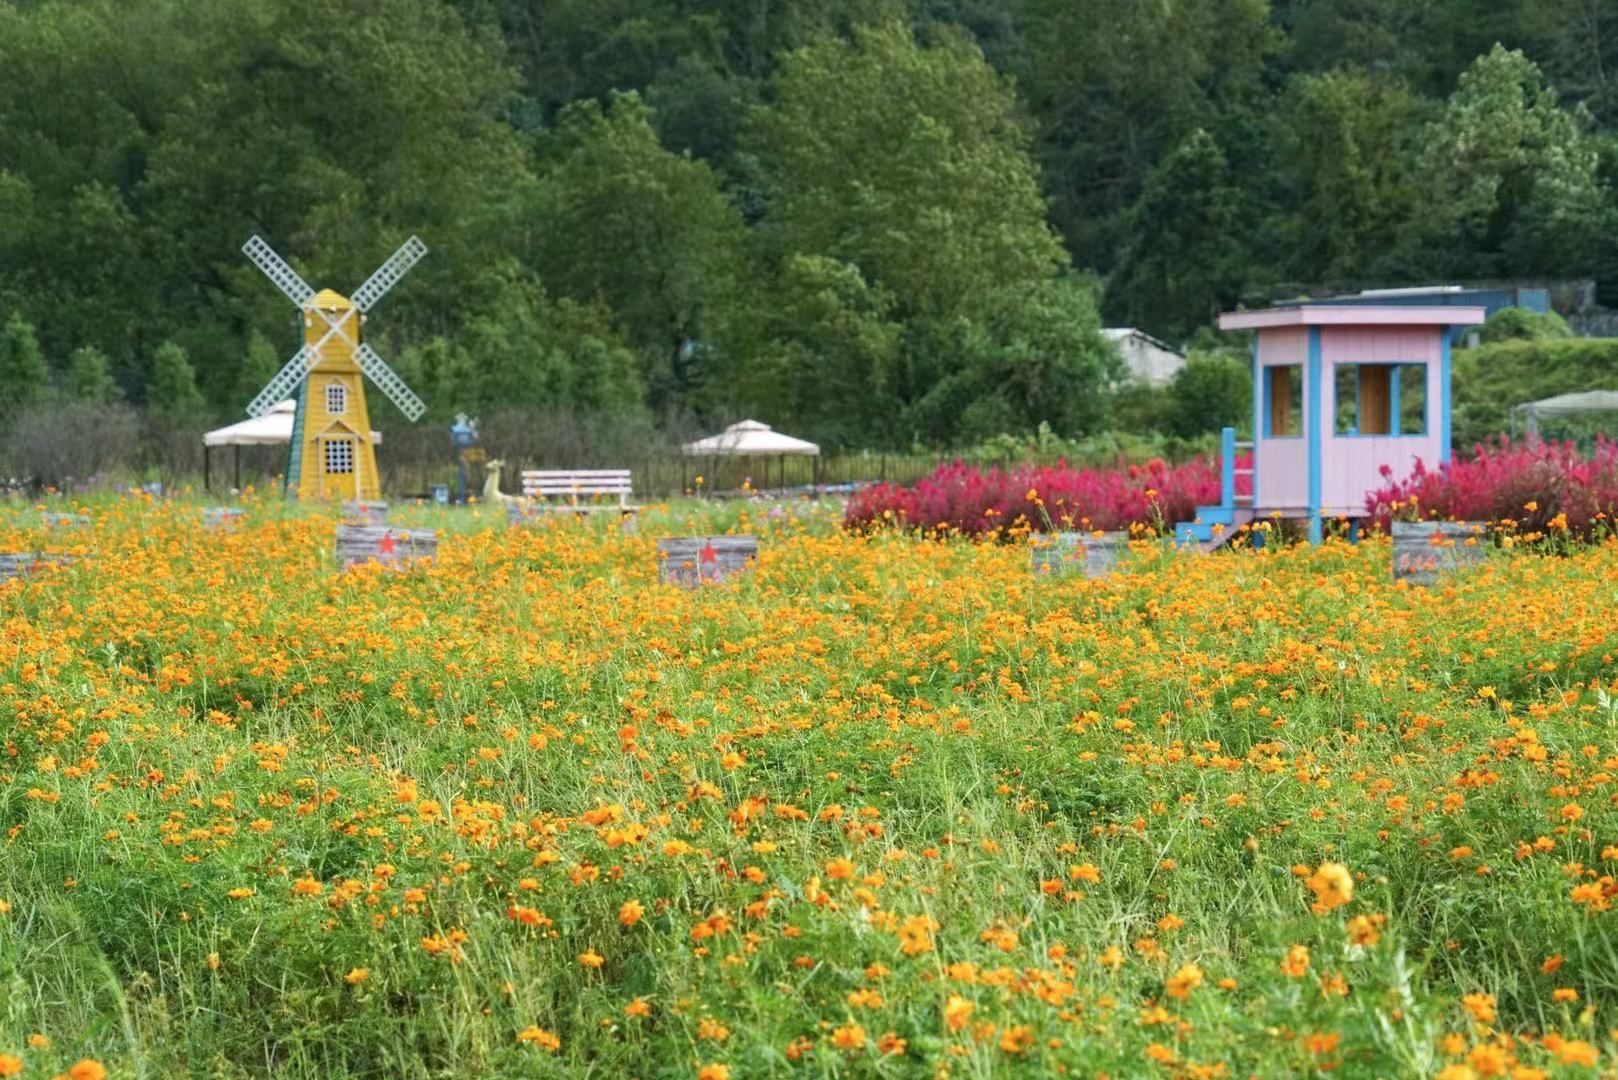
column 1541, row 487
column 1523, row 324
column 1491, row 379
column 997, row 503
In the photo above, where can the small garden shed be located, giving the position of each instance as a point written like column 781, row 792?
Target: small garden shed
column 1341, row 394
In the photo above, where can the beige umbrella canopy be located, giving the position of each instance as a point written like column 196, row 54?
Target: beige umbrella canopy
column 753, row 439
column 749, row 438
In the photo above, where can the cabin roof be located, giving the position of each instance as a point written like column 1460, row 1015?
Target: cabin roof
column 1344, row 315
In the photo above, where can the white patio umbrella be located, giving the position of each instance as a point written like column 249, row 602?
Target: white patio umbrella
column 752, row 439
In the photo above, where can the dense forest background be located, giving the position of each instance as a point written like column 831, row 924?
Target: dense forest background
column 877, row 223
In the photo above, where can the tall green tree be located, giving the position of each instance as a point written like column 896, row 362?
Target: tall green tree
column 619, row 219
column 24, row 375
column 908, row 162
column 1508, row 177
column 1351, row 136
column 1116, row 87
column 1182, row 264
column 171, row 389
column 89, row 377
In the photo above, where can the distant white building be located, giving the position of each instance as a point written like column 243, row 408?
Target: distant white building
column 1147, row 358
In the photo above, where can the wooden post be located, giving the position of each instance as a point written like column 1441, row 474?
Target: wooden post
column 703, row 560
column 392, row 548
column 365, row 512
column 1423, row 550
column 22, row 563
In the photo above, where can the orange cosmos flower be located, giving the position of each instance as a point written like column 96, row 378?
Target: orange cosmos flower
column 1577, row 1052
column 714, row 1071
column 631, row 911
column 10, row 1065
column 1332, row 885
column 957, row 1011
column 1480, row 1007
column 848, row 1037
column 591, row 959
column 541, row 1038
column 1296, row 962
column 357, row 976
column 87, row 1069
column 1182, row 982
column 840, row 869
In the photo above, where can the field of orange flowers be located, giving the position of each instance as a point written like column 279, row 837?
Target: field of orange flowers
column 886, row 807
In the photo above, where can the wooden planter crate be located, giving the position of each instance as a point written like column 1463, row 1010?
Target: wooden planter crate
column 222, row 517
column 703, row 560
column 365, row 512
column 361, row 544
column 21, row 563
column 1422, row 550
column 1068, row 552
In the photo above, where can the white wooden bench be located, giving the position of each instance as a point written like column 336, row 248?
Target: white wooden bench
column 580, row 491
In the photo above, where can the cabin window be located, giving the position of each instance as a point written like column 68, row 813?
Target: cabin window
column 1283, row 401
column 1381, row 399
column 336, row 399
column 1411, row 399
column 339, row 457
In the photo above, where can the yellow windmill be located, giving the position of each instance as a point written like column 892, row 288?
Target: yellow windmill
column 332, row 450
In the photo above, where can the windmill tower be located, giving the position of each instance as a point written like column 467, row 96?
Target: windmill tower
column 332, row 450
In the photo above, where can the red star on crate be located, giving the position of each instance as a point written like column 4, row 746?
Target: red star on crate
column 708, row 554
column 387, row 544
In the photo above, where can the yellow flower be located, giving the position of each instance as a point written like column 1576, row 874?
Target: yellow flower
column 1295, row 964
column 541, row 1038
column 1182, row 982
column 1332, row 885
column 10, row 1065
column 87, row 1069
column 591, row 959
column 357, row 976
column 631, row 911
column 957, row 1012
column 1480, row 1006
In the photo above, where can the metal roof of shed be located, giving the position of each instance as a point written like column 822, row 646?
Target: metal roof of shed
column 1343, row 315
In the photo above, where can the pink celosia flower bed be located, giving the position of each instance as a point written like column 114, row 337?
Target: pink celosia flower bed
column 1537, row 485
column 983, row 502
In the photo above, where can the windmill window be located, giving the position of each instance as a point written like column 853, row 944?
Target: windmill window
column 339, row 457
column 336, row 399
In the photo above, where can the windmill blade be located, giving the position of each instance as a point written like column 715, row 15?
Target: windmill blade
column 388, row 274
column 288, row 379
column 276, row 269
column 390, row 384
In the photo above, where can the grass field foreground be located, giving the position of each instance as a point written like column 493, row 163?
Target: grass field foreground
column 885, row 807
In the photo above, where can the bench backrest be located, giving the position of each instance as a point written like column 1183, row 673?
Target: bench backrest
column 578, row 482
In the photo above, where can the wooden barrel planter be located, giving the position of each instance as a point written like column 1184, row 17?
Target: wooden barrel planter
column 704, row 560
column 1071, row 552
column 365, row 512
column 358, row 545
column 1423, row 550
column 19, row 564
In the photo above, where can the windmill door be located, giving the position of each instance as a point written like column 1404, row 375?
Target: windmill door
column 339, row 467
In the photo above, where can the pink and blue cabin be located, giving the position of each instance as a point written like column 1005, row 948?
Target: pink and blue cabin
column 1340, row 394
